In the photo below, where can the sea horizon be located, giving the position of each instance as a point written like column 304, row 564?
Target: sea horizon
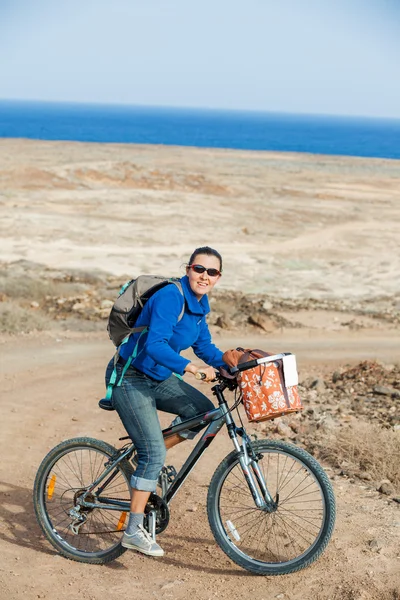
column 342, row 135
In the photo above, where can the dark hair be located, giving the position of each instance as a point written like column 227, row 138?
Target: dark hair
column 206, row 250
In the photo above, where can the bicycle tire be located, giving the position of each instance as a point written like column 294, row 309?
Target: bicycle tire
column 65, row 470
column 234, row 536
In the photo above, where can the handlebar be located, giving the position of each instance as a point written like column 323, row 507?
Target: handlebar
column 258, row 361
column 200, row 375
column 245, row 366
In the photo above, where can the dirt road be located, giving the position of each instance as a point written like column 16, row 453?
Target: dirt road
column 50, row 388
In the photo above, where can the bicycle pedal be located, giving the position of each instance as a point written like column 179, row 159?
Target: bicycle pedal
column 170, row 472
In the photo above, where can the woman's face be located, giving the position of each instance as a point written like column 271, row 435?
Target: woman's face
column 202, row 283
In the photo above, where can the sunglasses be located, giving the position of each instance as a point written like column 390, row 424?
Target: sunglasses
column 200, row 269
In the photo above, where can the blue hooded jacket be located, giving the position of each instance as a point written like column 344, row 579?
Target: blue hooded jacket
column 158, row 352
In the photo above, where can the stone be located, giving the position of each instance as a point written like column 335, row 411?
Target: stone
column 295, row 426
column 365, row 476
column 262, row 321
column 318, row 384
column 267, row 305
column 382, row 390
column 106, row 304
column 385, row 487
column 224, row 322
column 34, row 304
column 284, row 430
column 375, row 545
column 78, row 306
column 336, row 376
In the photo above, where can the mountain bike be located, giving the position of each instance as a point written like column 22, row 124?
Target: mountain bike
column 270, row 505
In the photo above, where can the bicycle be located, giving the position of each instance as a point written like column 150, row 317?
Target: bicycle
column 270, row 505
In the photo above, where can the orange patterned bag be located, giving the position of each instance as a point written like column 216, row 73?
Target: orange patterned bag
column 265, row 394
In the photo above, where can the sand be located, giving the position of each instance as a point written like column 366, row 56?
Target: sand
column 288, row 225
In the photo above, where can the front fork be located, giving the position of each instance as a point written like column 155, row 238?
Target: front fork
column 251, row 470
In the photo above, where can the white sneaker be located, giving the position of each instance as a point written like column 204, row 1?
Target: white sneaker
column 141, row 541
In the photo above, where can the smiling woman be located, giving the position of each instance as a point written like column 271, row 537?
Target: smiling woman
column 204, row 270
column 153, row 380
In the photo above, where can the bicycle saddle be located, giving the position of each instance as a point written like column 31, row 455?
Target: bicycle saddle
column 106, row 404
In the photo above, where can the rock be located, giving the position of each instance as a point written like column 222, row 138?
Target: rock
column 262, row 321
column 78, row 306
column 385, row 487
column 383, row 391
column 295, row 426
column 318, row 384
column 34, row 304
column 224, row 322
column 171, row 584
column 336, row 376
column 284, row 430
column 326, row 423
column 365, row 475
column 267, row 305
column 106, row 304
column 376, row 545
column 74, row 419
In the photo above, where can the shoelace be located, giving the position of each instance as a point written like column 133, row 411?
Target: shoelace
column 144, row 534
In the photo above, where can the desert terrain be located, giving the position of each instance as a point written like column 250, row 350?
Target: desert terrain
column 311, row 249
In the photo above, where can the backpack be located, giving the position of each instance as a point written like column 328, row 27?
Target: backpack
column 132, row 297
column 124, row 313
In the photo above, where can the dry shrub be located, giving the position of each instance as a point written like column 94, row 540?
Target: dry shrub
column 365, row 447
column 15, row 319
column 29, row 288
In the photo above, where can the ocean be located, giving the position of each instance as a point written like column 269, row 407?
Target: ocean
column 351, row 136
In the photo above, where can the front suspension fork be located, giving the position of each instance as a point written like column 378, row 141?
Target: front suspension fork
column 252, row 472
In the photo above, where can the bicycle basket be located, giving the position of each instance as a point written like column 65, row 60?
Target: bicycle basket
column 265, row 394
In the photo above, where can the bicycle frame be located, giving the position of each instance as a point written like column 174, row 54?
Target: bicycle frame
column 216, row 418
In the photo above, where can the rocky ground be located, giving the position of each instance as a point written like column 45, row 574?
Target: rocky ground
column 311, row 250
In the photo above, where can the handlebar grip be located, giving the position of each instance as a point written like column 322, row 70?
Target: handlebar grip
column 244, row 366
column 200, row 375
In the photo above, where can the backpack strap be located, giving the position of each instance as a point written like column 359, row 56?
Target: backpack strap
column 113, row 377
column 179, row 286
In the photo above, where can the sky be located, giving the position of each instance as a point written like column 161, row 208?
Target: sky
column 336, row 57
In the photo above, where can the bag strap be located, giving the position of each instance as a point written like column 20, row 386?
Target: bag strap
column 113, row 377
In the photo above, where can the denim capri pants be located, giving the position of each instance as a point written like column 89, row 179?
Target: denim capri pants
column 137, row 400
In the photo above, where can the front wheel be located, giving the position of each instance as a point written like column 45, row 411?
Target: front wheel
column 287, row 538
column 63, row 477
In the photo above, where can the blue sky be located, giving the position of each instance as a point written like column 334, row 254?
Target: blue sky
column 315, row 56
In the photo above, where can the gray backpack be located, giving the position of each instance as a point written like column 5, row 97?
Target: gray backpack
column 128, row 306
column 123, row 316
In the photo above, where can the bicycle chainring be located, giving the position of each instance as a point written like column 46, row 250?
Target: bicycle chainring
column 162, row 512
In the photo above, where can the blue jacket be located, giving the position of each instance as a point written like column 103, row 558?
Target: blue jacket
column 159, row 348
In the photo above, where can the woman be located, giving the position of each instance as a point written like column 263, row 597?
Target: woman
column 153, row 381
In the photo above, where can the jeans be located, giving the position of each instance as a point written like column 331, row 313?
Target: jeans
column 137, row 400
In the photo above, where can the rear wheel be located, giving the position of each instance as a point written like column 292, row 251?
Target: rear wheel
column 63, row 477
column 290, row 537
